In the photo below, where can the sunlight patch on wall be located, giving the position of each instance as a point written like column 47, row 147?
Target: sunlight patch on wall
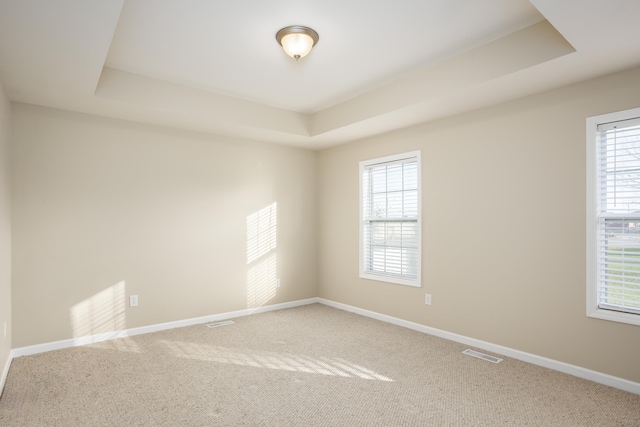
column 103, row 312
column 262, row 231
column 273, row 360
column 261, row 281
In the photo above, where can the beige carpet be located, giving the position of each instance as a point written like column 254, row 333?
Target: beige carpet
column 306, row 366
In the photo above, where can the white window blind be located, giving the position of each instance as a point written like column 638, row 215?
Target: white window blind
column 390, row 219
column 618, row 235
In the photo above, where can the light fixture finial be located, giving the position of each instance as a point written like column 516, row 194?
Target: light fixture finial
column 297, row 40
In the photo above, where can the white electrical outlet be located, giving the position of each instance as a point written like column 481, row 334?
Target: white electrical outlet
column 277, row 283
column 133, row 301
column 427, row 299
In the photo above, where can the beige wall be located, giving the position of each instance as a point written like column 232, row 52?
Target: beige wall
column 5, row 232
column 104, row 209
column 503, row 227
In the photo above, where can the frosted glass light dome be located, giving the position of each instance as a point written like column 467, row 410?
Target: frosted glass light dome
column 297, row 41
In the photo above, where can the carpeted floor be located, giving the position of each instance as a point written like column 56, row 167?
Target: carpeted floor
column 306, row 366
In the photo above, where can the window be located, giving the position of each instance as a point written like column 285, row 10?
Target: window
column 390, row 219
column 613, row 216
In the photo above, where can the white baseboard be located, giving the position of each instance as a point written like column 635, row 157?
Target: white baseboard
column 5, row 372
column 577, row 371
column 90, row 339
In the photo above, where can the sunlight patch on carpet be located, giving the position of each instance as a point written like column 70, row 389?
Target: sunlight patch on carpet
column 332, row 366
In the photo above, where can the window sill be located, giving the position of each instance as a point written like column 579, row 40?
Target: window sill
column 615, row 316
column 391, row 279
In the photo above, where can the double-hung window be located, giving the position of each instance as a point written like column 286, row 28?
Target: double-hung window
column 390, row 219
column 613, row 216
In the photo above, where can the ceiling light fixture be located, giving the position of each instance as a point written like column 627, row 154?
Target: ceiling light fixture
column 297, row 40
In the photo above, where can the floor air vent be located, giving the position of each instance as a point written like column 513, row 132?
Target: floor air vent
column 218, row 324
column 483, row 356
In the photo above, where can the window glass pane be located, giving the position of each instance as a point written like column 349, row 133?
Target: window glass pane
column 411, row 176
column 410, row 257
column 378, row 180
column 394, row 205
column 394, row 234
column 393, row 260
column 410, row 205
column 379, row 208
column 377, row 258
column 620, row 263
column 378, row 233
column 410, row 234
column 394, row 178
column 620, row 170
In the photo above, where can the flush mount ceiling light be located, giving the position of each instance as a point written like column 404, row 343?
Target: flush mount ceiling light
column 297, row 40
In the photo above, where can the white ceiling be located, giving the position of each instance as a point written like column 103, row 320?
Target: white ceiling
column 230, row 49
column 214, row 66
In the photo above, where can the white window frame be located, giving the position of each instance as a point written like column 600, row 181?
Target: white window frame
column 379, row 276
column 593, row 216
